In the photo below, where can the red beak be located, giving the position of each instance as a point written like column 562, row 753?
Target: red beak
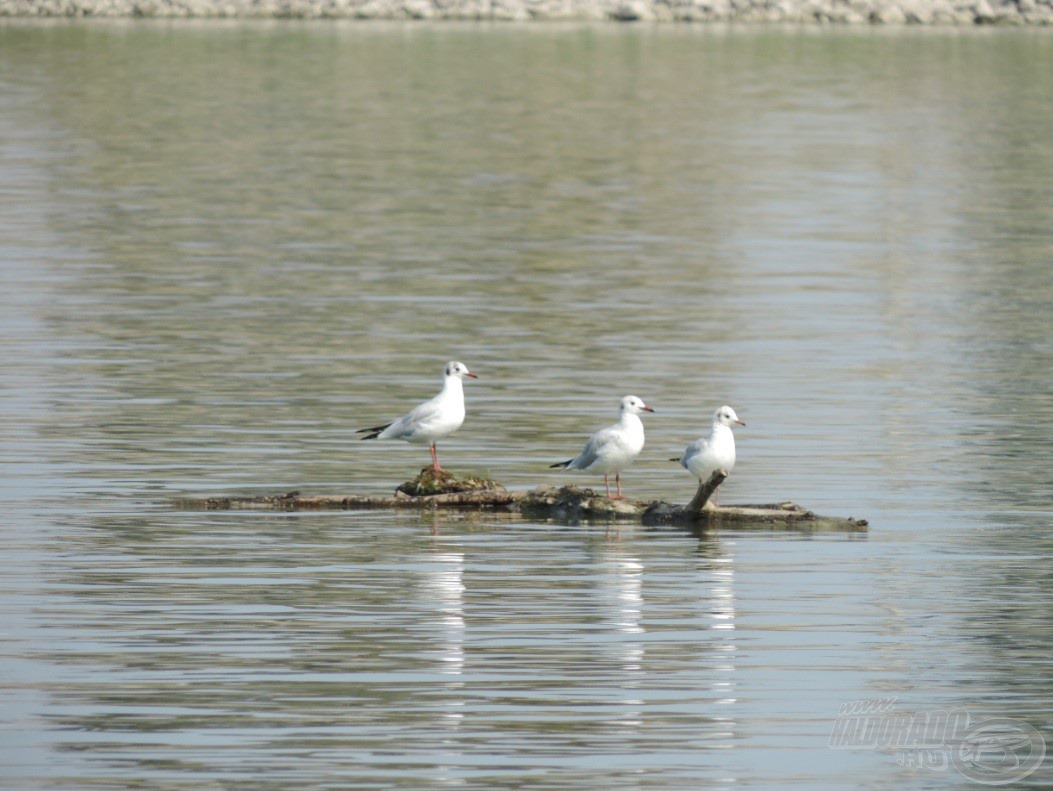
column 470, row 375
column 740, row 422
column 647, row 409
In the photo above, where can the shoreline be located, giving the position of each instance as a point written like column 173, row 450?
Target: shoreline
column 803, row 12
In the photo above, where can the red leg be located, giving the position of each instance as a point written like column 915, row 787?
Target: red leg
column 434, row 458
column 605, row 483
column 618, row 483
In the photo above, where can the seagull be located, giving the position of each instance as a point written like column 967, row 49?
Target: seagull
column 433, row 419
column 706, row 455
column 613, row 449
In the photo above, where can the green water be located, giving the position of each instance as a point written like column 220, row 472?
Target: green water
column 226, row 246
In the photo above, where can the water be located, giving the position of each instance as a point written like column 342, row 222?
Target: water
column 223, row 247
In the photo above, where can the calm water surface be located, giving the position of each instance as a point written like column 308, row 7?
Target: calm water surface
column 225, row 247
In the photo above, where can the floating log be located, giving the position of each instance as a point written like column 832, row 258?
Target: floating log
column 439, row 489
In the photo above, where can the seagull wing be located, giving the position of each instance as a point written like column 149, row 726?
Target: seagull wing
column 413, row 421
column 696, row 448
column 597, row 446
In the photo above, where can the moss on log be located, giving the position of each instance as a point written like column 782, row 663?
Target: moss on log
column 433, row 490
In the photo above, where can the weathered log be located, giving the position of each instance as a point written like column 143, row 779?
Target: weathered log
column 565, row 504
column 294, row 501
column 706, row 489
column 571, row 503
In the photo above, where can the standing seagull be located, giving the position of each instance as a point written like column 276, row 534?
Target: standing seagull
column 613, row 449
column 706, row 455
column 433, row 419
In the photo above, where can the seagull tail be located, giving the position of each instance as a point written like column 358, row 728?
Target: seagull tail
column 561, row 463
column 371, row 433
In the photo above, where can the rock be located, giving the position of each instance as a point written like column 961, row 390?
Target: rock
column 888, row 15
column 918, row 12
column 631, row 11
column 982, row 11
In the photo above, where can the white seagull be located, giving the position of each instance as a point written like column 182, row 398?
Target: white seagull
column 706, row 455
column 433, row 419
column 613, row 449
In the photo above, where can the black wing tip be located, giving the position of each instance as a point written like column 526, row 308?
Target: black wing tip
column 677, row 458
column 560, row 464
column 371, row 433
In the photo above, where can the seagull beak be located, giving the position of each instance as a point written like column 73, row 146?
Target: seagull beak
column 470, row 375
column 646, row 408
column 741, row 423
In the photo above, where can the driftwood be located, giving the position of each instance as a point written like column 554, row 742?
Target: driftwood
column 431, row 490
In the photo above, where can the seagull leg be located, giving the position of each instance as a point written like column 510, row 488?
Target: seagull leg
column 605, row 483
column 617, row 483
column 434, row 458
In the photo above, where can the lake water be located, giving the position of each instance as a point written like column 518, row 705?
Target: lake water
column 226, row 246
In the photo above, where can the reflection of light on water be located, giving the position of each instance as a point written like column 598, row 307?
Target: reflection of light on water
column 452, row 715
column 623, row 600
column 627, row 579
column 723, row 613
column 442, row 603
column 722, row 616
column 442, row 589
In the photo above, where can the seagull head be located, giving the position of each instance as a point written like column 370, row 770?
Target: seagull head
column 726, row 416
column 634, row 405
column 460, row 370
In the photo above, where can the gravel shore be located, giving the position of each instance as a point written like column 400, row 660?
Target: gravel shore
column 896, row 12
